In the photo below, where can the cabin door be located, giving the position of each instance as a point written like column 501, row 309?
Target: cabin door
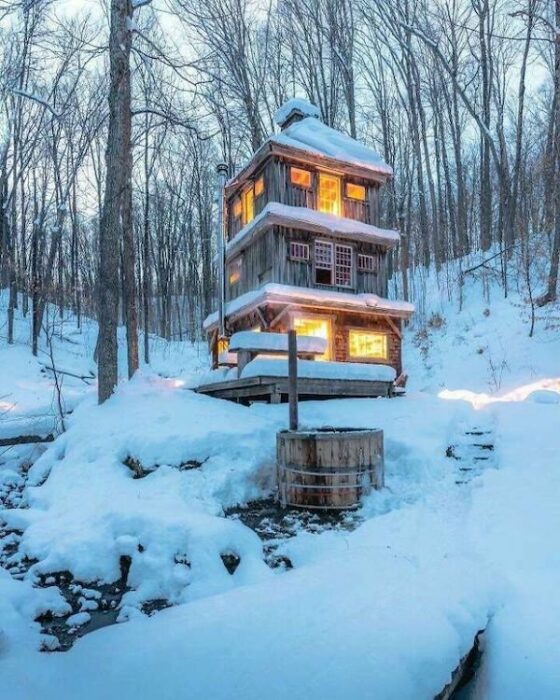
column 318, row 327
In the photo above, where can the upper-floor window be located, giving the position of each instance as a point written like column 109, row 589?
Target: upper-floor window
column 300, row 178
column 329, row 194
column 299, row 251
column 354, row 191
column 367, row 263
column 333, row 264
column 259, row 186
column 244, row 206
column 248, row 199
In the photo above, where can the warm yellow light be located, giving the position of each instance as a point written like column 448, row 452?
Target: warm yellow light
column 329, row 194
column 223, row 345
column 259, row 186
column 248, row 206
column 355, row 191
column 316, row 327
column 237, row 208
column 301, row 178
column 367, row 344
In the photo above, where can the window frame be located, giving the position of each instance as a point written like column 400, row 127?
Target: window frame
column 336, row 178
column 368, row 358
column 309, row 173
column 348, row 185
column 248, row 192
column 305, row 258
column 338, row 265
column 329, row 318
column 323, row 266
column 364, row 268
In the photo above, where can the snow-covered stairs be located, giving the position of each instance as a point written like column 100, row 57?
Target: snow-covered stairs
column 473, row 452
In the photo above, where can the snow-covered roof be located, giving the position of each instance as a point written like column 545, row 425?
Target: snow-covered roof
column 298, row 106
column 309, row 369
column 302, row 296
column 309, row 219
column 275, row 342
column 312, row 136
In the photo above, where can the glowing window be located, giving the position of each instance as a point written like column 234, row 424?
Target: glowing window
column 237, row 208
column 316, row 327
column 299, row 251
column 366, row 263
column 300, row 178
column 248, row 206
column 367, row 344
column 259, row 186
column 354, row 191
column 235, row 271
column 329, row 194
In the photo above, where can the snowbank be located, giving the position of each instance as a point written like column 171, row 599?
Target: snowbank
column 196, row 454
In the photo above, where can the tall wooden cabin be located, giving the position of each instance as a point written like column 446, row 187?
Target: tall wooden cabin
column 303, row 246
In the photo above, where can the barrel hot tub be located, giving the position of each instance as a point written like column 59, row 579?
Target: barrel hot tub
column 328, row 468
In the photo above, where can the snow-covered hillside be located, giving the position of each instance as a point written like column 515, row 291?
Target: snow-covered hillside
column 132, row 498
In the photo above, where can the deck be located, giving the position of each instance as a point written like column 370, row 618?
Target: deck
column 275, row 389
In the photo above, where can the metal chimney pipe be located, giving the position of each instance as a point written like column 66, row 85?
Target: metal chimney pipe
column 222, row 170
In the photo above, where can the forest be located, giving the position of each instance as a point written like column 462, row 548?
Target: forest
column 144, row 97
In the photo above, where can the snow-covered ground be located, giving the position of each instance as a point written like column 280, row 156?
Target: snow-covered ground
column 454, row 544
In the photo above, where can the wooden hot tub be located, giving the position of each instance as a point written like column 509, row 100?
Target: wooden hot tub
column 328, row 468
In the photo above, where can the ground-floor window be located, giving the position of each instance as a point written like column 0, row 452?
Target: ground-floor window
column 368, row 345
column 316, row 327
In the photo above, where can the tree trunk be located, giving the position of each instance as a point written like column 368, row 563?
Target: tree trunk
column 117, row 160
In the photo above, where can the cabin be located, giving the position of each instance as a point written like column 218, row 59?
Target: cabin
column 303, row 250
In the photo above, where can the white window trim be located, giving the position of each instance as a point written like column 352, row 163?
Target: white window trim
column 365, row 268
column 337, row 247
column 298, row 258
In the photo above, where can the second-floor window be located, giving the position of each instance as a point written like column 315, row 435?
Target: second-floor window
column 299, row 251
column 333, row 264
column 248, row 199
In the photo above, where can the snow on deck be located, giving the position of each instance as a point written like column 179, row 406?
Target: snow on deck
column 302, row 217
column 283, row 293
column 275, row 342
column 310, row 369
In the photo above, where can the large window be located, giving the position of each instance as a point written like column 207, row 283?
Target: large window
column 333, row 264
column 316, row 327
column 368, row 345
column 329, row 194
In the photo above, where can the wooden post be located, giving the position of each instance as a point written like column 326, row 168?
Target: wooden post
column 292, row 379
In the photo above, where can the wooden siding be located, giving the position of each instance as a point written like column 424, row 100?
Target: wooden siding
column 267, row 259
column 278, row 188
